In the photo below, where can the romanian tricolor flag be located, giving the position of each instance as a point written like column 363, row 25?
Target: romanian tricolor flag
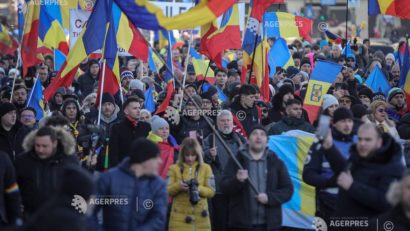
column 161, row 37
column 36, row 100
column 8, row 44
column 92, row 39
column 154, row 62
column 405, row 73
column 292, row 148
column 285, row 25
column 399, row 8
column 51, row 31
column 228, row 36
column 279, row 56
column 30, row 37
column 322, row 77
column 201, row 66
column 334, row 38
column 146, row 15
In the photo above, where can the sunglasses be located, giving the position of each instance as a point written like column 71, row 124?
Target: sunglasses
column 381, row 110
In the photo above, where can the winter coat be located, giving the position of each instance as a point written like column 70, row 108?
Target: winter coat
column 39, row 179
column 234, row 142
column 372, row 177
column 121, row 137
column 86, row 84
column 133, row 215
column 168, row 151
column 11, row 141
column 187, row 125
column 181, row 206
column 290, row 123
column 278, row 188
column 10, row 200
column 404, row 127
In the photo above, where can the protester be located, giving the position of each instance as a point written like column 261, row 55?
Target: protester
column 317, row 171
column 87, row 80
column 380, row 118
column 292, row 121
column 10, row 201
column 261, row 210
column 217, row 156
column 190, row 184
column 129, row 129
column 11, row 133
column 38, row 170
column 136, row 181
column 375, row 162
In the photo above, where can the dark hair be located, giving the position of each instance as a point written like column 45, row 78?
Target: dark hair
column 56, row 120
column 293, row 101
column 20, row 86
column 29, row 109
column 47, row 131
column 217, row 70
column 130, row 100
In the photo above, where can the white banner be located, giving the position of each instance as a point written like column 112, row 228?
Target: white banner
column 78, row 20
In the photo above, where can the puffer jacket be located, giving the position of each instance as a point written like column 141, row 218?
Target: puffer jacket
column 134, row 214
column 39, row 179
column 181, row 206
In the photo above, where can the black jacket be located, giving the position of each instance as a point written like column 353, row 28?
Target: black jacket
column 11, row 141
column 39, row 179
column 290, row 123
column 372, row 177
column 278, row 185
column 396, row 216
column 121, row 136
column 86, row 84
column 10, row 200
column 248, row 117
column 187, row 124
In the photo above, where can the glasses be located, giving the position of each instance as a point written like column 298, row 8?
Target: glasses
column 381, row 110
column 27, row 116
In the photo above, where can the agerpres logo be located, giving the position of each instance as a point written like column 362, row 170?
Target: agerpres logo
column 79, row 204
column 319, row 224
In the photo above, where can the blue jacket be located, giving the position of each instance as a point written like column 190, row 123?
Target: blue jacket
column 146, row 201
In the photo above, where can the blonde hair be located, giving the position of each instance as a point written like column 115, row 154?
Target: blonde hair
column 189, row 145
column 373, row 108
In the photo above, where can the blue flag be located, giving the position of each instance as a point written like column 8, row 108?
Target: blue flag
column 36, row 100
column 59, row 59
column 279, row 56
column 170, row 67
column 149, row 100
column 378, row 82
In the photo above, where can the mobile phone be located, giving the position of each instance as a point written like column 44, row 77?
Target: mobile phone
column 323, row 128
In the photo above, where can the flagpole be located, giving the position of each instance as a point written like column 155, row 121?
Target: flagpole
column 186, row 68
column 101, row 94
column 206, row 76
column 347, row 15
column 254, row 50
column 32, row 91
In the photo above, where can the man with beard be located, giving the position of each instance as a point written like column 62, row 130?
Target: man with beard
column 216, row 155
column 19, row 97
column 374, row 163
column 249, row 210
column 397, row 104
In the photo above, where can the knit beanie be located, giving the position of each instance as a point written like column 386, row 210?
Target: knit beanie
column 157, row 123
column 291, row 71
column 329, row 100
column 6, row 108
column 342, row 114
column 136, row 84
column 143, row 150
column 304, row 61
column 107, row 98
column 126, row 74
column 394, row 91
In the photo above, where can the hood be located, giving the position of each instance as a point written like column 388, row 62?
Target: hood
column 65, row 141
column 388, row 153
column 113, row 117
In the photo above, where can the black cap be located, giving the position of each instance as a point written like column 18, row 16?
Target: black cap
column 342, row 114
column 6, row 108
column 143, row 150
column 107, row 98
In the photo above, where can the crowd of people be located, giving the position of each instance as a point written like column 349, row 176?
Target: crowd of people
column 203, row 163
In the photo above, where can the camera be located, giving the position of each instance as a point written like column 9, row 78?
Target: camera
column 193, row 191
column 91, row 138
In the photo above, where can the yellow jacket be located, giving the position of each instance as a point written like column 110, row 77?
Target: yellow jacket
column 181, row 206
